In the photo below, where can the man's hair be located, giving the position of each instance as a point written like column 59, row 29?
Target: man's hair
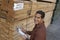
column 41, row 13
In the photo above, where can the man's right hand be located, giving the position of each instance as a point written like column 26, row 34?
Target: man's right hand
column 23, row 30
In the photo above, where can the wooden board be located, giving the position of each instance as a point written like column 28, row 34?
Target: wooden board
column 54, row 1
column 6, row 9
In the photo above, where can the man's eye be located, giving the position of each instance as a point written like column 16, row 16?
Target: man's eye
column 38, row 17
column 35, row 16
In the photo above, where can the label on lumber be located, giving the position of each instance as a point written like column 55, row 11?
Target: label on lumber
column 18, row 6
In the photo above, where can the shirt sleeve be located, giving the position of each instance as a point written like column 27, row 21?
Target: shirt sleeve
column 29, row 32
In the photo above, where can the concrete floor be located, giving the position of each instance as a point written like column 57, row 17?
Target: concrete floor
column 53, row 31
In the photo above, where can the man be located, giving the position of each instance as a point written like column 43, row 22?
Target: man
column 39, row 31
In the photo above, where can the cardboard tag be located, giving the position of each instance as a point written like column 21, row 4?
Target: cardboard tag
column 18, row 6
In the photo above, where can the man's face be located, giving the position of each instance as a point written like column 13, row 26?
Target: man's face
column 37, row 18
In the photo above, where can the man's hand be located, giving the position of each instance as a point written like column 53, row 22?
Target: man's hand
column 23, row 30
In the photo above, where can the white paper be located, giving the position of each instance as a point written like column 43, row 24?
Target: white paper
column 23, row 34
column 18, row 6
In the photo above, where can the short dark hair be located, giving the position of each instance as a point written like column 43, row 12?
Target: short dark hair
column 41, row 12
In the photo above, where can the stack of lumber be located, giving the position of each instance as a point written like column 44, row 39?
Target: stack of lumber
column 22, row 14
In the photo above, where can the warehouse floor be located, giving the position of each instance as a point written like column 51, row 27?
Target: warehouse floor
column 53, row 31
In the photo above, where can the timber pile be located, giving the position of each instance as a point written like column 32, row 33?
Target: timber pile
column 10, row 18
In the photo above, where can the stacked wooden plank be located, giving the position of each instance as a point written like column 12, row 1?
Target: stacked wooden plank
column 46, row 7
column 54, row 1
column 6, row 9
column 6, row 32
column 22, row 14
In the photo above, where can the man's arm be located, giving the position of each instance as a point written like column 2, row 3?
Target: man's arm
column 26, row 32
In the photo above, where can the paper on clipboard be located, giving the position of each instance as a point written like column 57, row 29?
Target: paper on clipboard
column 22, row 33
